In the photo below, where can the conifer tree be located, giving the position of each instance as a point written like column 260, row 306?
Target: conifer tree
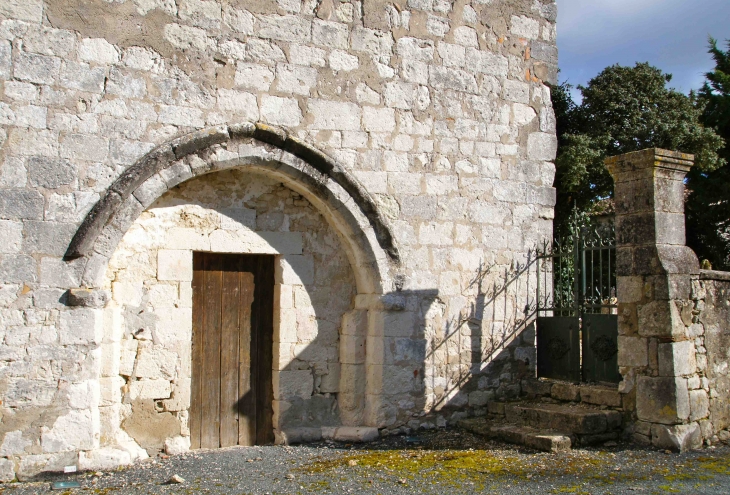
column 708, row 205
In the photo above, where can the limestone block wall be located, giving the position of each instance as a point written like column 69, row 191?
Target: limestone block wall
column 711, row 294
column 439, row 110
column 149, row 277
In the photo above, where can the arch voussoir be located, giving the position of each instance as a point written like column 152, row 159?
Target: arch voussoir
column 258, row 147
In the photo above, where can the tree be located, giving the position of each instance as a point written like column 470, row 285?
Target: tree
column 624, row 109
column 708, row 205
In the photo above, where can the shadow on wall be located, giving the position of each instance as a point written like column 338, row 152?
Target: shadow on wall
column 486, row 350
column 435, row 368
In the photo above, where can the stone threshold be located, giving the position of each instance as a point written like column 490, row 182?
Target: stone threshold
column 291, row 436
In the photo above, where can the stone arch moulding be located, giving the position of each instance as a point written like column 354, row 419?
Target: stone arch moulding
column 260, row 148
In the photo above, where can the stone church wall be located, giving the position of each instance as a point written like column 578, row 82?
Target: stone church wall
column 437, row 109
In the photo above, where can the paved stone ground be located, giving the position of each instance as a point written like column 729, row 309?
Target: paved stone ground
column 435, row 462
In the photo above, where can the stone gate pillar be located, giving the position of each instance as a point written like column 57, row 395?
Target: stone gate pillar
column 657, row 355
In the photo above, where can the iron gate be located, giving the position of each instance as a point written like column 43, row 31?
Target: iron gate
column 577, row 321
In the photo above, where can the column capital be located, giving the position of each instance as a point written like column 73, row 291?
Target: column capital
column 652, row 162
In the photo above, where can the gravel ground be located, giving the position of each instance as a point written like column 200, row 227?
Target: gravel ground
column 428, row 463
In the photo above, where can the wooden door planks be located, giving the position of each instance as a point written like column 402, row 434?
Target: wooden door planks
column 264, row 270
column 231, row 389
column 196, row 385
column 246, row 400
column 210, row 429
column 230, row 328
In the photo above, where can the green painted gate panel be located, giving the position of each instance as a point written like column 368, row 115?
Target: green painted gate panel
column 558, row 347
column 600, row 348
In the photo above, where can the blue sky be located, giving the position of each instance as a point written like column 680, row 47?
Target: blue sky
column 669, row 34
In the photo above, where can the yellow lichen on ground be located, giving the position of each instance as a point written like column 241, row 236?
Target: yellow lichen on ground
column 440, row 465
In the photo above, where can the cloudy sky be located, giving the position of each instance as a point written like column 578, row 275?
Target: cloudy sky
column 669, row 34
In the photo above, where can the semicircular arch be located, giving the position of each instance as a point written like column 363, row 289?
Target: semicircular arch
column 364, row 232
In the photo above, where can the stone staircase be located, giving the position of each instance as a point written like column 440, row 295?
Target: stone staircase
column 551, row 424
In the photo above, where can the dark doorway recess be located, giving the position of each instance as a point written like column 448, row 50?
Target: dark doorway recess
column 233, row 326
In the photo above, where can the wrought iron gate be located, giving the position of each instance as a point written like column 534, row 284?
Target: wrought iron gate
column 577, row 321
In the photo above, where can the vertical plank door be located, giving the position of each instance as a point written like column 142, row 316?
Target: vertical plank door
column 231, row 394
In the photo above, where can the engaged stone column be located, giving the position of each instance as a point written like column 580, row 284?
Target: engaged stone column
column 654, row 280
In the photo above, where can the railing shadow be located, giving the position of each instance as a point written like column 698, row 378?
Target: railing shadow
column 498, row 324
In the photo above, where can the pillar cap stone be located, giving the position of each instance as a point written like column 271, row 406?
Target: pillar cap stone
column 647, row 160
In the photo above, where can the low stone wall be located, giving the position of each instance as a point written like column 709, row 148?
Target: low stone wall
column 712, row 301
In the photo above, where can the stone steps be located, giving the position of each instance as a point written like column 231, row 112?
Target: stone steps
column 599, row 395
column 571, row 418
column 545, row 426
column 545, row 440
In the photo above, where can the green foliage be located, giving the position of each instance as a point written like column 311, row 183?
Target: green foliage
column 624, row 109
column 708, row 205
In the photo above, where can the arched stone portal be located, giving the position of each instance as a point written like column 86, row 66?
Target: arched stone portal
column 159, row 192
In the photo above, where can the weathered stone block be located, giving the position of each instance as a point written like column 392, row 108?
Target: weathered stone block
column 84, row 395
column 291, row 436
column 149, row 389
column 330, row 382
column 12, row 235
column 98, row 51
column 662, row 400
column 110, row 390
column 296, row 270
column 334, row 115
column 679, row 438
column 601, row 396
column 174, row 264
column 82, row 77
column 280, row 111
column 81, row 327
column 350, row 433
column 177, row 445
column 239, row 103
column 660, row 319
column 7, row 470
column 155, row 362
column 19, row 204
column 342, row 61
column 541, row 146
column 106, row 458
column 289, row 28
column 677, row 359
column 480, row 398
column 50, row 172
column 39, row 69
column 292, row 384
column 525, row 27
column 32, row 465
column 77, row 430
column 632, row 351
column 566, row 391
column 699, row 405
column 128, row 354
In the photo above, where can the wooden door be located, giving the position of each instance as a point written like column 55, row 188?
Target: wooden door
column 233, row 310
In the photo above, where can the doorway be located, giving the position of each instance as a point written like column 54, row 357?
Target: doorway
column 232, row 350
